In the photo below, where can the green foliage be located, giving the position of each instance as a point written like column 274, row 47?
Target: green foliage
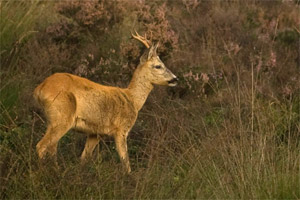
column 252, row 21
column 215, row 117
column 9, row 96
column 288, row 37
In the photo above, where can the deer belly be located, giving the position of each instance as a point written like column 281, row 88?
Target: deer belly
column 92, row 127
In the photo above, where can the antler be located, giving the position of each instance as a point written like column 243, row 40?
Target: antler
column 142, row 39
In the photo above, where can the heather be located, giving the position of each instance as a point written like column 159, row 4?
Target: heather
column 230, row 129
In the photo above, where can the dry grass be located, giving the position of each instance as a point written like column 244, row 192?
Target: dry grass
column 230, row 130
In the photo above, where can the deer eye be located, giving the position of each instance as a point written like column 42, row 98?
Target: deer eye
column 157, row 66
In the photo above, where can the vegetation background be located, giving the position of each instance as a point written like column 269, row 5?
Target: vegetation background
column 229, row 130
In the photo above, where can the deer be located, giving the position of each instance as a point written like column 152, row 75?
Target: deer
column 73, row 102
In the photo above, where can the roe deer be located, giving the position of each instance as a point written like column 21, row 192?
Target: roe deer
column 70, row 101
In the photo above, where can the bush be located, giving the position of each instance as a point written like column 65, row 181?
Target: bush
column 229, row 130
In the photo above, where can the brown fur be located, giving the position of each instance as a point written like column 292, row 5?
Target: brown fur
column 70, row 102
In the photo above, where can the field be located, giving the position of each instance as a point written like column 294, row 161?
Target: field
column 229, row 130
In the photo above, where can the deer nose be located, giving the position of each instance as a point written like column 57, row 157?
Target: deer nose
column 173, row 81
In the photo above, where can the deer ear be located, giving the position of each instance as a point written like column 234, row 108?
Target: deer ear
column 152, row 52
column 149, row 53
column 144, row 57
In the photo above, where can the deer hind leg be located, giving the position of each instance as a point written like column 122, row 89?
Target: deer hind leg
column 91, row 143
column 60, row 114
column 48, row 144
column 121, row 145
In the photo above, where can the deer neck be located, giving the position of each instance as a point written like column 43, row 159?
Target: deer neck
column 139, row 88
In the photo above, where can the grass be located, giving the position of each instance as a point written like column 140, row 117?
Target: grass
column 227, row 163
column 17, row 24
column 235, row 136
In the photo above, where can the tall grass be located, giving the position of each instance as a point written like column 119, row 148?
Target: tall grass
column 227, row 132
column 230, row 161
column 17, row 24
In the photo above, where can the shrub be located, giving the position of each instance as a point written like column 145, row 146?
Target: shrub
column 229, row 130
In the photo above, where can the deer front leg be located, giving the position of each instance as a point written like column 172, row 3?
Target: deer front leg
column 91, row 143
column 121, row 145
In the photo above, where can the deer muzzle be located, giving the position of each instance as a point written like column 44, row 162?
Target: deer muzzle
column 173, row 82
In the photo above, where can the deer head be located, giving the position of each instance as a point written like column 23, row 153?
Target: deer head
column 154, row 69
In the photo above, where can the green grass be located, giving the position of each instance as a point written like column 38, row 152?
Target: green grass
column 221, row 165
column 17, row 23
column 18, row 20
